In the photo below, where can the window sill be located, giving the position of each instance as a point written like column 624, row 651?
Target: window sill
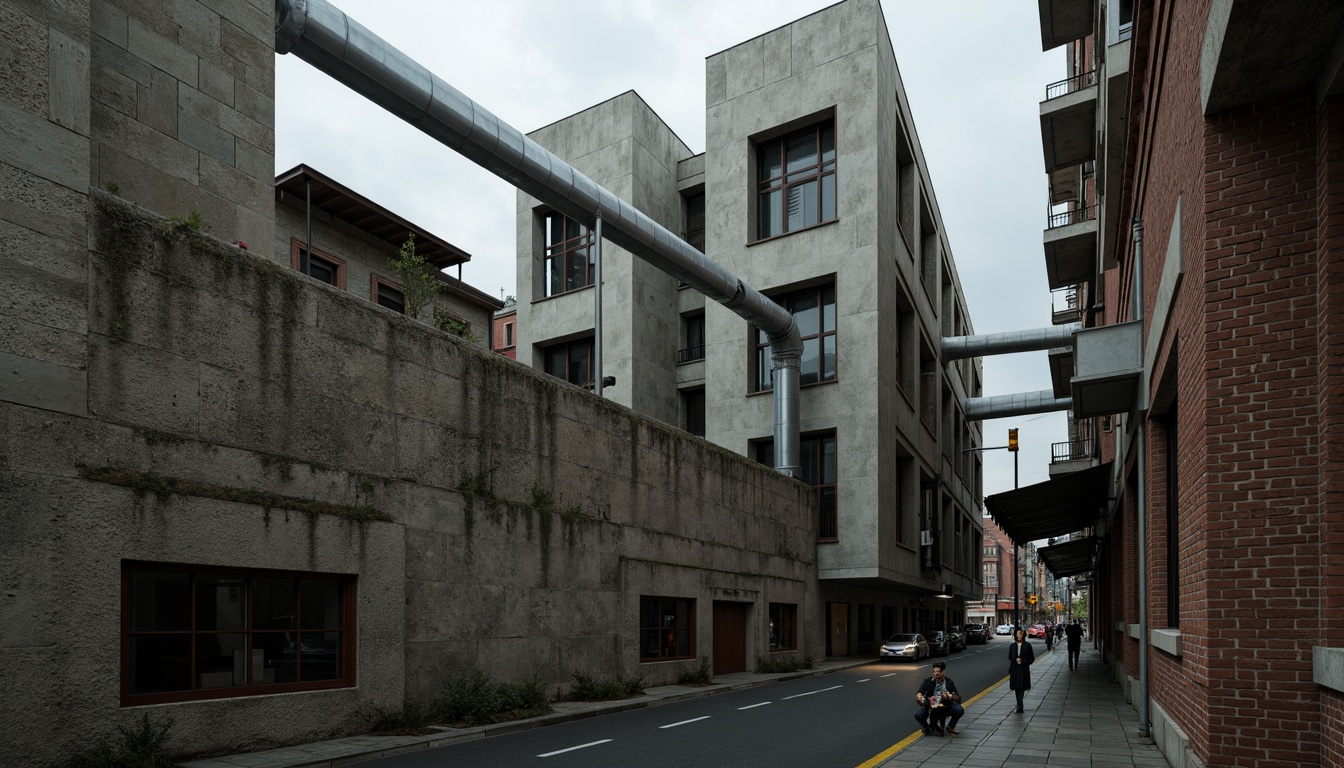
column 1167, row 640
column 562, row 294
column 773, row 238
column 1327, row 667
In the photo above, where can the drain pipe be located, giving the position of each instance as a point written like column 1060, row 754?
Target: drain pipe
column 1016, row 404
column 327, row 38
column 1141, row 461
column 1054, row 337
column 597, row 305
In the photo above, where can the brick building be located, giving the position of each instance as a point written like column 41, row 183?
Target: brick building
column 1196, row 162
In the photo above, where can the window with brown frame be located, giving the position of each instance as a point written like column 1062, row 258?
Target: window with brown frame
column 813, row 309
column 819, row 466
column 318, row 265
column 666, row 628
column 795, row 181
column 695, row 220
column 197, row 632
column 388, row 294
column 569, row 255
column 783, row 626
column 571, row 361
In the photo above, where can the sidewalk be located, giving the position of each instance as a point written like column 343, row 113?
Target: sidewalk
column 1072, row 718
column 357, row 748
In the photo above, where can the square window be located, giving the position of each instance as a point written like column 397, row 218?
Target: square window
column 317, row 264
column 571, row 361
column 813, row 309
column 666, row 628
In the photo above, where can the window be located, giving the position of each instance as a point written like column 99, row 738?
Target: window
column 795, row 181
column 783, row 627
column 693, row 404
column 508, row 334
column 317, row 264
column 572, row 361
column 695, row 220
column 388, row 294
column 569, row 255
column 813, row 310
column 1173, row 526
column 693, row 331
column 198, row 633
column 666, row 628
column 817, row 459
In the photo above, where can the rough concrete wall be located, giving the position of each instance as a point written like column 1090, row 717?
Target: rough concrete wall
column 508, row 509
column 183, row 111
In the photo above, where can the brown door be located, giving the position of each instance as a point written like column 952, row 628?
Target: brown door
column 837, row 636
column 730, row 637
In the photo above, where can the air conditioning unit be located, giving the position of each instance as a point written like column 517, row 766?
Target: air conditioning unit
column 926, row 538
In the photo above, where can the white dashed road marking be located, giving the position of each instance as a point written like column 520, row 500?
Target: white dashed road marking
column 571, row 749
column 684, row 722
column 809, row 693
column 753, row 706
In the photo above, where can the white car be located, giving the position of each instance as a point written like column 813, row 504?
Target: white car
column 905, row 646
column 1004, row 629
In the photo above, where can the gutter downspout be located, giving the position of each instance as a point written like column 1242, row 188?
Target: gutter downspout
column 336, row 44
column 1141, row 461
column 597, row 304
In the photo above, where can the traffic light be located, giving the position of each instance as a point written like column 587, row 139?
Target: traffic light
column 1031, row 600
column 1012, row 440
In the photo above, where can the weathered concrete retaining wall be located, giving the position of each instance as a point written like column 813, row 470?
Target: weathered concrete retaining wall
column 492, row 516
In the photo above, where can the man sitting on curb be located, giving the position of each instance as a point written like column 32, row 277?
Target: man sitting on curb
column 937, row 699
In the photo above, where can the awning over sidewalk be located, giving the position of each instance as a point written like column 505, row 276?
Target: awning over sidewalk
column 1056, row 507
column 1070, row 558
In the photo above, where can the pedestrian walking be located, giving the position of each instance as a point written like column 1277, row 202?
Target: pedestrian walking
column 1049, row 638
column 1020, row 658
column 1074, row 633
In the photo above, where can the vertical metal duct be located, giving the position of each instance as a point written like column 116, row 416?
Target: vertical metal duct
column 336, row 44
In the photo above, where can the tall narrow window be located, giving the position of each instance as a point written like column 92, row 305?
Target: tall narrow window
column 508, row 334
column 795, row 181
column 1173, row 524
column 693, row 330
column 813, row 310
column 693, row 404
column 817, row 459
column 569, row 255
column 695, row 220
column 783, row 626
column 572, row 361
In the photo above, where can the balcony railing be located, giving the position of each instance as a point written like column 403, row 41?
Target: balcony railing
column 690, row 354
column 1074, row 216
column 1065, row 305
column 1070, row 84
column 1074, row 450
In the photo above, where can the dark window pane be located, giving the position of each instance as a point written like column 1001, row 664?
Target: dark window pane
column 828, row 197
column 555, row 276
column 770, row 161
column 808, row 460
column 828, row 462
column 763, row 380
column 578, row 365
column 220, row 603
column 695, row 331
column 555, row 361
column 802, row 150
column 575, row 276
column 319, row 605
column 648, row 644
column 828, row 142
column 809, row 368
column 322, row 269
column 221, row 660
column 319, row 656
column 806, row 313
column 160, row 663
column 770, row 220
column 278, row 657
column 160, row 601
column 828, row 358
column 391, row 298
column 828, row 308
column 273, row 603
column 802, row 205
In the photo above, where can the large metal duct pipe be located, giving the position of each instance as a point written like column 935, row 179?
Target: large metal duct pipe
column 1019, row 404
column 331, row 41
column 1054, row 337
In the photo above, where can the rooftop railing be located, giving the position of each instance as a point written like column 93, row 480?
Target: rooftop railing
column 1070, row 84
column 1073, row 216
column 1073, row 450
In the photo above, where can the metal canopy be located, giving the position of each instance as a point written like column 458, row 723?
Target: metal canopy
column 1056, row 507
column 1070, row 558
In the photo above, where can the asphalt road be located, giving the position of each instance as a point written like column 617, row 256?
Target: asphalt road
column 839, row 719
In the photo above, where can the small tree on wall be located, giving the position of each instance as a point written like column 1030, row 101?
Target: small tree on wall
column 419, row 284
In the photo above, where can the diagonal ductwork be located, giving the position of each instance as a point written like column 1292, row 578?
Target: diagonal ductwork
column 331, row 41
column 959, row 347
column 1019, row 404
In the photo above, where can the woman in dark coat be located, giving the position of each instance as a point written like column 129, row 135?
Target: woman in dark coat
column 1020, row 657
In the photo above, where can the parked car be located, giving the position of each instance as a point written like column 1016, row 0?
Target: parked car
column 956, row 639
column 1004, row 629
column 911, row 646
column 1036, row 630
column 977, row 633
column 939, row 644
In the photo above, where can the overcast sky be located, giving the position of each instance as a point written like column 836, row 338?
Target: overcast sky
column 973, row 71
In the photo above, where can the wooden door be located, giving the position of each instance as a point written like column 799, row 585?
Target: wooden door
column 730, row 637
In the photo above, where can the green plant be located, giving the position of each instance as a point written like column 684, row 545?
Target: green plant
column 449, row 323
column 140, row 746
column 113, row 188
column 419, row 281
column 779, row 664
column 474, row 698
column 193, row 221
column 587, row 688
column 701, row 675
column 411, row 720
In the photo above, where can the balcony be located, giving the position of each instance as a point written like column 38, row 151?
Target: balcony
column 1069, row 121
column 1071, row 247
column 1066, row 305
column 1063, row 21
column 691, row 354
column 1071, row 456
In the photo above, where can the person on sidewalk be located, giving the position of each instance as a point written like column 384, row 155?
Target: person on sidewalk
column 1020, row 658
column 1074, row 632
column 938, row 699
column 1049, row 638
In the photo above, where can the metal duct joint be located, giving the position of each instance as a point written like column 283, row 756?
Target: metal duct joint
column 336, row 44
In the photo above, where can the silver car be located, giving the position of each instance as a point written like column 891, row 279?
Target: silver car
column 905, row 646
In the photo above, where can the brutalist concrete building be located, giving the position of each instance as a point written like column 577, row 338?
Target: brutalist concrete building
column 813, row 188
